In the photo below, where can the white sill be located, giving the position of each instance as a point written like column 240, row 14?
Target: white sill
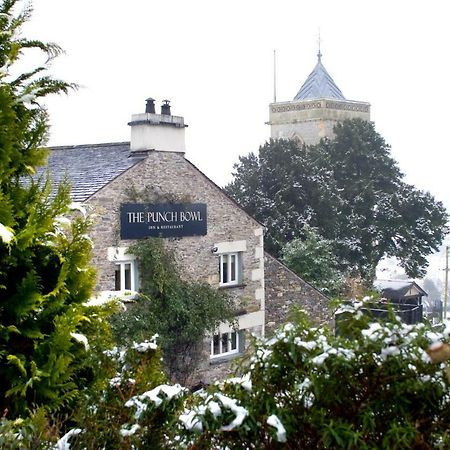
column 222, row 358
column 229, row 285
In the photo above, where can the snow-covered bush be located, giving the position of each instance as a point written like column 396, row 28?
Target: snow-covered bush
column 373, row 386
column 33, row 432
column 382, row 385
column 129, row 407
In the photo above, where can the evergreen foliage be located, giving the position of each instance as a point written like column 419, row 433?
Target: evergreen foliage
column 281, row 189
column 181, row 312
column 24, row 122
column 35, row 432
column 44, row 255
column 373, row 386
column 351, row 190
column 104, row 416
column 313, row 260
column 383, row 385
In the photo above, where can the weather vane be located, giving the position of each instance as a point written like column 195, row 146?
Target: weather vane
column 319, row 54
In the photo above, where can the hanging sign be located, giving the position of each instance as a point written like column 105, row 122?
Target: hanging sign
column 140, row 220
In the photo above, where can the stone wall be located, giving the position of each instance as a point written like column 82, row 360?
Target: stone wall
column 268, row 288
column 170, row 174
column 212, row 370
column 311, row 120
column 284, row 289
column 308, row 133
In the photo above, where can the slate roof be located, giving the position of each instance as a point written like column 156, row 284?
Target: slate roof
column 397, row 289
column 92, row 166
column 319, row 84
column 89, row 167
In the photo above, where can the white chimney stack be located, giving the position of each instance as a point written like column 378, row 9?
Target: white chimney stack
column 151, row 131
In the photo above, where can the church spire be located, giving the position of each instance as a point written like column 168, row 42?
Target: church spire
column 315, row 110
column 319, row 84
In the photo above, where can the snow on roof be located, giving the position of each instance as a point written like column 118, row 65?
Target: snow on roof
column 397, row 287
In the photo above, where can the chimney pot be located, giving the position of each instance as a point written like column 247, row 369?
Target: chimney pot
column 150, row 105
column 165, row 108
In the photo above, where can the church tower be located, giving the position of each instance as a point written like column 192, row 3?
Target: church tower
column 315, row 110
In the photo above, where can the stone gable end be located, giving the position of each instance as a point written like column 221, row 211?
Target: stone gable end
column 229, row 228
column 285, row 290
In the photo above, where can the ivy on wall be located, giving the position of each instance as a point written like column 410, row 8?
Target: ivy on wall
column 180, row 311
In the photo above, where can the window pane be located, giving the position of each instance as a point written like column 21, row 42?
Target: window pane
column 233, row 267
column 216, row 344
column 224, row 342
column 127, row 268
column 224, row 268
column 117, row 278
column 233, row 340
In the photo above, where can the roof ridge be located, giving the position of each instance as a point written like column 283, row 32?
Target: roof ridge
column 102, row 144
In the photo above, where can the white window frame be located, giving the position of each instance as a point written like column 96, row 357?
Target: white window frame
column 229, row 350
column 122, row 268
column 230, row 273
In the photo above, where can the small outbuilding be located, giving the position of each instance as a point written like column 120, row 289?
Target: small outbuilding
column 405, row 296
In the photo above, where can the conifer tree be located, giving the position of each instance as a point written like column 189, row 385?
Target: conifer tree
column 351, row 190
column 44, row 277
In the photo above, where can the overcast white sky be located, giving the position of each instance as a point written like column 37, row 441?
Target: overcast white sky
column 214, row 61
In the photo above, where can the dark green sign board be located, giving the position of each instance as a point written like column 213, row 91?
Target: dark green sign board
column 140, row 220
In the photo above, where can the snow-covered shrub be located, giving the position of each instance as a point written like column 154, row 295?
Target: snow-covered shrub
column 382, row 385
column 32, row 432
column 373, row 386
column 130, row 408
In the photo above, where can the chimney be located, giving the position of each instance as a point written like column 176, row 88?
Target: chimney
column 150, row 105
column 160, row 132
column 165, row 108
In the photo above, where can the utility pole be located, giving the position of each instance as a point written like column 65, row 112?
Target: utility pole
column 274, row 76
column 444, row 315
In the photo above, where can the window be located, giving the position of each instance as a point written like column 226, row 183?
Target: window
column 230, row 269
column 224, row 344
column 125, row 276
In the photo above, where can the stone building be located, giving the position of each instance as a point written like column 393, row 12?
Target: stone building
column 147, row 187
column 315, row 110
column 285, row 290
